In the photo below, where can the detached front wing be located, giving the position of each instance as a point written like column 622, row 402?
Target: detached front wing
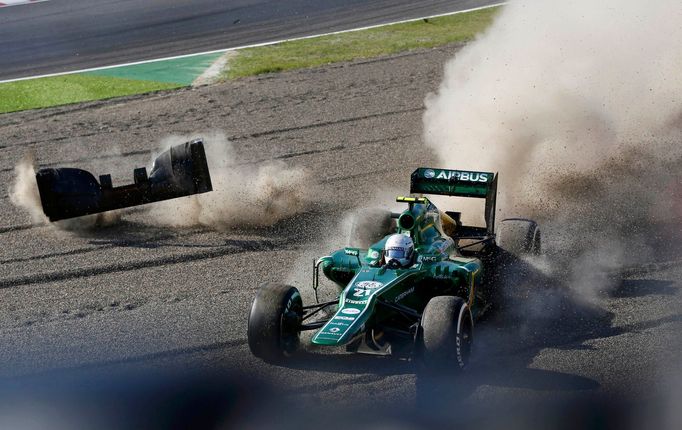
column 180, row 171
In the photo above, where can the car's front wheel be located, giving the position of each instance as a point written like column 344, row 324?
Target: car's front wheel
column 274, row 322
column 446, row 334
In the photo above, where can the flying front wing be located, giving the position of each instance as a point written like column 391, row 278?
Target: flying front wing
column 180, row 171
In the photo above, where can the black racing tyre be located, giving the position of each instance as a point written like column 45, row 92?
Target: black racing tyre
column 369, row 226
column 519, row 237
column 274, row 322
column 447, row 334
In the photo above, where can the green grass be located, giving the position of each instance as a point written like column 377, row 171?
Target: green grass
column 359, row 44
column 139, row 79
column 60, row 90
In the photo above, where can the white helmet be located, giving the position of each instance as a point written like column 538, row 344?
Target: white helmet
column 399, row 247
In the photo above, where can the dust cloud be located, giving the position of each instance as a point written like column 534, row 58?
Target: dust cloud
column 578, row 105
column 243, row 195
column 23, row 192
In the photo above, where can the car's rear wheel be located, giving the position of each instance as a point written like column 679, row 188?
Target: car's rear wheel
column 516, row 239
column 446, row 334
column 519, row 237
column 274, row 322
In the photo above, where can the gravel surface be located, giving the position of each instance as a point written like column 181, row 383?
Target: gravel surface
column 135, row 295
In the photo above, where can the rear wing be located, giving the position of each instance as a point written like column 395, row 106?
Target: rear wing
column 459, row 183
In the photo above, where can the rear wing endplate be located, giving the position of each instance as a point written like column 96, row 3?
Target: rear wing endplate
column 458, row 183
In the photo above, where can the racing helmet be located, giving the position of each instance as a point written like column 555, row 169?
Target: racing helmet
column 399, row 247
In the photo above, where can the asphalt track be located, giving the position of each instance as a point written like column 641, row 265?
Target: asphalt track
column 135, row 295
column 66, row 35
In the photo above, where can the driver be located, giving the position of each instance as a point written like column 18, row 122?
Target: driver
column 399, row 249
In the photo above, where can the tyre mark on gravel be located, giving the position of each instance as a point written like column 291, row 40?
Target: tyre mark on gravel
column 12, row 228
column 262, row 160
column 170, row 353
column 96, row 247
column 54, row 254
column 87, row 159
column 54, row 139
column 326, row 123
column 357, row 175
column 647, row 268
column 232, row 247
column 242, row 137
column 363, row 379
column 148, row 152
column 323, row 151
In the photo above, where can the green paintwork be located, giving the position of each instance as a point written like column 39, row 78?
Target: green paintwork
column 177, row 71
column 460, row 183
column 357, row 302
column 437, row 269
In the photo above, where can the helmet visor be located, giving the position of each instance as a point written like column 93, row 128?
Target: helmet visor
column 395, row 253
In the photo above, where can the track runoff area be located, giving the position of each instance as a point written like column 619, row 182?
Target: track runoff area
column 201, row 55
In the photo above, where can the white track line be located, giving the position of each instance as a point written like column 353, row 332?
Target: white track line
column 255, row 45
column 7, row 3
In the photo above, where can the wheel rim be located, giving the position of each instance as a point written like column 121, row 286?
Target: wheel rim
column 289, row 336
column 289, row 333
column 465, row 338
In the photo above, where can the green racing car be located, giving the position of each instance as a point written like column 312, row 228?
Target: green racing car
column 414, row 289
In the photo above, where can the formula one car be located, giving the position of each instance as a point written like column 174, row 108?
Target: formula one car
column 415, row 292
column 180, row 171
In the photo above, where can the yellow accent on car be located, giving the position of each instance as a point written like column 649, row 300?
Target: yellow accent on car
column 471, row 289
column 411, row 199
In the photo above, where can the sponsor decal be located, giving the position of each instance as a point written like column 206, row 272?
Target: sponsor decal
column 373, row 253
column 362, row 293
column 334, row 330
column 353, row 252
column 341, row 317
column 330, row 333
column 460, row 358
column 350, row 311
column 428, row 259
column 454, row 175
column 369, row 285
column 404, row 294
column 342, row 324
column 356, row 302
column 429, row 173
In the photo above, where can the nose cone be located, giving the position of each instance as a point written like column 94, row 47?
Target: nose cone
column 343, row 326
